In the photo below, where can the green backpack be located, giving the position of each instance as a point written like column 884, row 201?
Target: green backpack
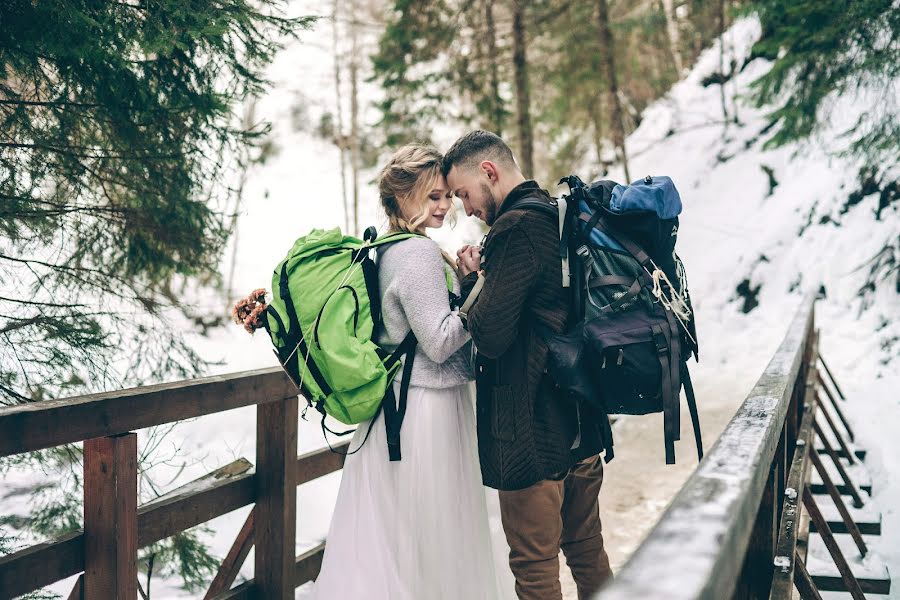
column 323, row 319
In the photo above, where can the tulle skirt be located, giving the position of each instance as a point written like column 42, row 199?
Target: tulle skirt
column 420, row 528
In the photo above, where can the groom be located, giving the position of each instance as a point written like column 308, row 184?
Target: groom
column 536, row 446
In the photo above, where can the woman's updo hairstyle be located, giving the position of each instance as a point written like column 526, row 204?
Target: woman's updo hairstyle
column 404, row 184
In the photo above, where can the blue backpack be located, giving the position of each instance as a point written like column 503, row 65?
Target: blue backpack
column 632, row 327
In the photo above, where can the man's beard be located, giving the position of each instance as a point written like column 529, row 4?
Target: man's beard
column 490, row 209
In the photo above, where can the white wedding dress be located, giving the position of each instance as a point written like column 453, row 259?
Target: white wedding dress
column 419, row 528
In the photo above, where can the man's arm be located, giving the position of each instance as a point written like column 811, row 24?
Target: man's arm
column 511, row 272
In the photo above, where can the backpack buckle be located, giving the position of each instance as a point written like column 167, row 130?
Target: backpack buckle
column 662, row 346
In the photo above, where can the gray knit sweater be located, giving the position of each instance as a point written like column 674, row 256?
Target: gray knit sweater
column 411, row 276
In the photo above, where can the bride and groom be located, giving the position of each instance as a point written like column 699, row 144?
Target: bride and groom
column 418, row 528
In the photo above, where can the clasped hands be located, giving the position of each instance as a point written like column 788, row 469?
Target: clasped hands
column 468, row 259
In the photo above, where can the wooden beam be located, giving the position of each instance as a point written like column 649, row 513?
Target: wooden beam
column 852, row 585
column 306, row 568
column 39, row 425
column 276, row 499
column 804, row 583
column 309, row 564
column 789, row 528
column 110, row 518
column 77, row 592
column 317, row 463
column 235, row 558
column 213, row 495
column 40, row 565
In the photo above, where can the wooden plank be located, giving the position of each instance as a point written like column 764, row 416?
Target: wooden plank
column 786, row 546
column 805, row 585
column 235, row 558
column 77, row 592
column 213, row 495
column 839, row 504
column 40, row 565
column 317, row 463
column 837, row 434
column 867, row 518
column 309, row 564
column 110, row 518
column 831, row 377
column 43, row 564
column 859, row 453
column 852, row 585
column 837, row 409
column 306, row 568
column 871, row 572
column 697, row 548
column 276, row 498
column 848, row 486
column 39, row 425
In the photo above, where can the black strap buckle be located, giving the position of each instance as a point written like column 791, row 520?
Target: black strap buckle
column 662, row 346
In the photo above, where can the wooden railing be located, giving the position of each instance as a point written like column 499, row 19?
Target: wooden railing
column 739, row 526
column 115, row 527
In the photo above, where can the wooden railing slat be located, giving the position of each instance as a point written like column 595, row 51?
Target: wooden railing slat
column 39, row 425
column 43, row 564
column 40, row 565
column 317, row 463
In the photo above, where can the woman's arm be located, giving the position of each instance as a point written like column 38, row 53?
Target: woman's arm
column 421, row 286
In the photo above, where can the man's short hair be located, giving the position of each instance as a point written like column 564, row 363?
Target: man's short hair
column 475, row 147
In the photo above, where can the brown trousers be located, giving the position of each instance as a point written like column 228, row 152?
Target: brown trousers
column 561, row 513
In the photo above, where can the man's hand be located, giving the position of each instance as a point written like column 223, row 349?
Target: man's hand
column 469, row 259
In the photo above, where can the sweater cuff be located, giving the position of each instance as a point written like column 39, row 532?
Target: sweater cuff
column 467, row 284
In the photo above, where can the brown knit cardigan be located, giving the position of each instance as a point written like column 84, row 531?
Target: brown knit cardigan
column 526, row 427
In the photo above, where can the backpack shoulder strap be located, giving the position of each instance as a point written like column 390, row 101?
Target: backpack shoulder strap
column 558, row 208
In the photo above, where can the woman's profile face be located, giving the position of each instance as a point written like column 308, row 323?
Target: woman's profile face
column 440, row 202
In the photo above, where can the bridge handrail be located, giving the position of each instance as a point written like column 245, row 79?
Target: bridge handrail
column 698, row 548
column 40, row 425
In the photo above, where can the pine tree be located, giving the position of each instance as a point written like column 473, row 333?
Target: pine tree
column 822, row 48
column 119, row 135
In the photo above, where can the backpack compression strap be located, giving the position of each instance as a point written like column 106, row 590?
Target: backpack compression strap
column 668, row 345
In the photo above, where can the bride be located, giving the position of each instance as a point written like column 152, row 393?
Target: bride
column 418, row 528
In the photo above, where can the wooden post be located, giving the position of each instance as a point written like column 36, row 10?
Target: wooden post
column 756, row 574
column 276, row 499
column 110, row 518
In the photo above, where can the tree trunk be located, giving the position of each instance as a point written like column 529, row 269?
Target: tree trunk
column 721, row 20
column 354, row 112
column 673, row 35
column 616, row 125
column 523, row 109
column 496, row 111
column 339, row 138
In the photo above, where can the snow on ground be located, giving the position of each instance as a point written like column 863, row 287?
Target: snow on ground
column 733, row 228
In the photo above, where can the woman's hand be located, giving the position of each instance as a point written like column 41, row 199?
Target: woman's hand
column 469, row 259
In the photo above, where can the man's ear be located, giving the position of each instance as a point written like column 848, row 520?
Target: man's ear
column 490, row 169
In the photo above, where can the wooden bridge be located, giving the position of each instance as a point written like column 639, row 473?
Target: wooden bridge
column 780, row 479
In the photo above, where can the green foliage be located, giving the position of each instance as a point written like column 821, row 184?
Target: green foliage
column 821, row 49
column 119, row 160
column 183, row 555
column 411, row 68
column 118, row 136
column 435, row 58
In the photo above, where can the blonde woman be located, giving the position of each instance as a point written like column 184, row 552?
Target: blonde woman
column 416, row 529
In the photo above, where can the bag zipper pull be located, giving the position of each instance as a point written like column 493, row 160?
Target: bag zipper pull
column 621, row 357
